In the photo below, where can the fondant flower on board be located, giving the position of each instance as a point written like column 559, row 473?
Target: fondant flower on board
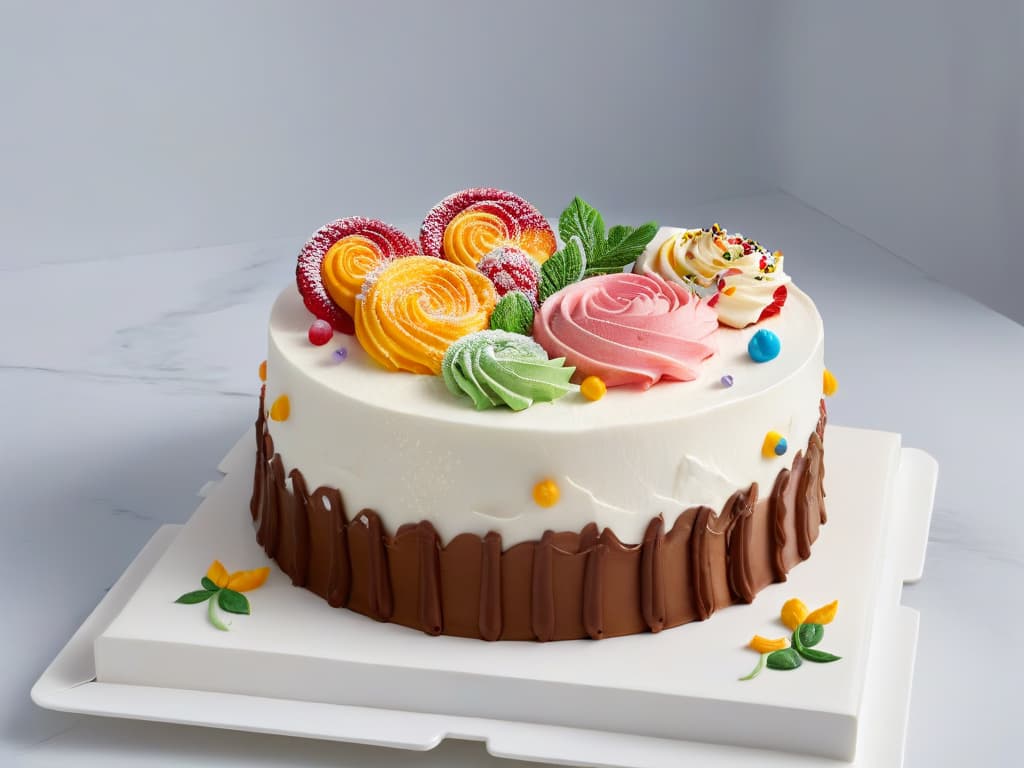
column 412, row 309
column 808, row 630
column 627, row 329
column 225, row 590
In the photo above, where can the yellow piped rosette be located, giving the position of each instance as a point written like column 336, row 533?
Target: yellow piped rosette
column 346, row 265
column 473, row 234
column 411, row 311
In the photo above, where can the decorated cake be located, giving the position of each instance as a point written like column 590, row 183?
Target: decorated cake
column 493, row 432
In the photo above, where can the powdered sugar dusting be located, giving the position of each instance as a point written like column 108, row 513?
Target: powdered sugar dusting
column 514, row 207
column 390, row 241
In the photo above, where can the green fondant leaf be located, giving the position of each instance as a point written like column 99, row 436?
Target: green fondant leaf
column 820, row 657
column 584, row 221
column 233, row 602
column 514, row 314
column 624, row 245
column 563, row 268
column 810, row 635
column 207, row 584
column 191, row 598
column 785, row 659
column 757, row 669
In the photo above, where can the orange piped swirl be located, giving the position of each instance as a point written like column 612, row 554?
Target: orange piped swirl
column 475, row 232
column 346, row 264
column 471, row 235
column 410, row 312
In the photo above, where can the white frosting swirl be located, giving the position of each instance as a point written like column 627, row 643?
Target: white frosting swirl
column 743, row 281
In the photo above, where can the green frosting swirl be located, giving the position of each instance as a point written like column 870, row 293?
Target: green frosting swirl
column 500, row 368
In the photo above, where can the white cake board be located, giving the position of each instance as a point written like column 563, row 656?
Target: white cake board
column 870, row 480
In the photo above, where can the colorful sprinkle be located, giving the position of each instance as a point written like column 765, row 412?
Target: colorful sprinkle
column 593, row 388
column 829, row 385
column 340, row 354
column 281, row 408
column 774, row 445
column 546, row 493
column 320, row 332
column 764, row 346
column 263, row 371
column 727, row 381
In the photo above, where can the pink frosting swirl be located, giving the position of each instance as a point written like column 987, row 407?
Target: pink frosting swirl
column 627, row 329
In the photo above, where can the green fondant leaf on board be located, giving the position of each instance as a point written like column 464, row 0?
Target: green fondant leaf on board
column 810, row 634
column 513, row 313
column 563, row 268
column 233, row 602
column 584, row 221
column 191, row 598
column 785, row 659
column 207, row 584
column 819, row 657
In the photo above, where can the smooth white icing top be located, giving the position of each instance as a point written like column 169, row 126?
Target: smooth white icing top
column 402, row 445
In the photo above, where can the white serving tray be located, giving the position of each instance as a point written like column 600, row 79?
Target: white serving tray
column 872, row 684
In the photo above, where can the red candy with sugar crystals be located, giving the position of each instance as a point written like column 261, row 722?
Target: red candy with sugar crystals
column 511, row 269
column 390, row 241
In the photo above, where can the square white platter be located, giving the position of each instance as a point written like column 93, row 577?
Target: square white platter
column 298, row 667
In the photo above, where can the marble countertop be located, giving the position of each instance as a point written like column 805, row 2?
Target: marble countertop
column 124, row 381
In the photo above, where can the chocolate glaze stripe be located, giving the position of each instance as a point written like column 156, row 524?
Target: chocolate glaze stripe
column 700, row 568
column 652, row 575
column 604, row 588
column 593, row 591
column 300, row 528
column 543, row 616
column 490, row 587
column 741, row 577
column 430, row 579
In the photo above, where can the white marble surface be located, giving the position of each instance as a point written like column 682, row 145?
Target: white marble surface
column 123, row 381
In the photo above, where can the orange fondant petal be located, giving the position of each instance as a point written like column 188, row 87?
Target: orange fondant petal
column 218, row 574
column 823, row 615
column 243, row 581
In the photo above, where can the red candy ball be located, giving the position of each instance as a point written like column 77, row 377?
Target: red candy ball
column 320, row 332
column 510, row 269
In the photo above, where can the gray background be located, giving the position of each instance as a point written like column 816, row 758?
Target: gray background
column 140, row 128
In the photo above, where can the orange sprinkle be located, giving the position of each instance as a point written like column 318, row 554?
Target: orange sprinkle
column 263, row 371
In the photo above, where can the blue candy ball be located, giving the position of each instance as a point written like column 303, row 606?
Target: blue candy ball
column 764, row 346
column 781, row 446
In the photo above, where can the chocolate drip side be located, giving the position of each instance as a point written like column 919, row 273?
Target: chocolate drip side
column 543, row 617
column 277, row 498
column 652, row 575
column 593, row 591
column 779, row 512
column 490, row 587
column 430, row 579
column 300, row 529
column 567, row 585
column 741, row 577
column 700, row 569
column 378, row 578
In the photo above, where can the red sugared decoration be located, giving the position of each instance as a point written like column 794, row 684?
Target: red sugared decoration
column 524, row 224
column 511, row 269
column 385, row 237
column 320, row 332
column 778, row 300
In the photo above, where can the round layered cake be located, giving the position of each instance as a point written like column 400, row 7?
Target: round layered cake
column 621, row 467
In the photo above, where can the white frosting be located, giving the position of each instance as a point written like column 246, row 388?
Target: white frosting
column 692, row 257
column 402, row 445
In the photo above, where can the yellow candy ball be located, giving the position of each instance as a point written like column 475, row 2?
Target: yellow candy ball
column 281, row 408
column 263, row 371
column 829, row 385
column 593, row 388
column 545, row 493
